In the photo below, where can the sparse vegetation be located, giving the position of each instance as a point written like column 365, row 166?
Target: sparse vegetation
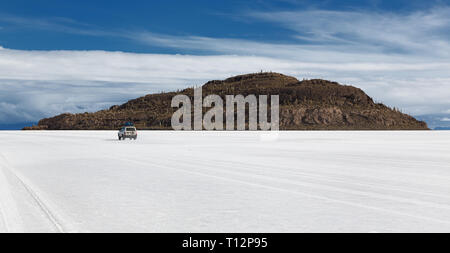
column 304, row 105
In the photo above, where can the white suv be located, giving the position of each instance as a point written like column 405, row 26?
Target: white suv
column 127, row 132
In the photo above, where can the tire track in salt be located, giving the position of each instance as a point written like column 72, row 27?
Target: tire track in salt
column 299, row 193
column 49, row 214
column 320, row 176
column 9, row 212
column 321, row 186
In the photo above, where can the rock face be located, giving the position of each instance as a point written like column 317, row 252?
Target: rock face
column 304, row 105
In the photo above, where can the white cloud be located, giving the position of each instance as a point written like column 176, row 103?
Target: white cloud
column 307, row 52
column 55, row 24
column 445, row 119
column 26, row 101
column 355, row 36
column 129, row 67
column 423, row 33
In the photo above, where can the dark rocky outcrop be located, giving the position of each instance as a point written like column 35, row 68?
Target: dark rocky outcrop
column 304, row 105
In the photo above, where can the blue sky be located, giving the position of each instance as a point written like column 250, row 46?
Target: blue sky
column 85, row 25
column 76, row 56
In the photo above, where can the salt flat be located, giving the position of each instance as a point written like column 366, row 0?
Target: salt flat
column 352, row 181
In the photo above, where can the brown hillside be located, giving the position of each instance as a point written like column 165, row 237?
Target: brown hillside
column 304, row 105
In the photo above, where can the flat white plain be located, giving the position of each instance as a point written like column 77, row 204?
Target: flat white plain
column 167, row 181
